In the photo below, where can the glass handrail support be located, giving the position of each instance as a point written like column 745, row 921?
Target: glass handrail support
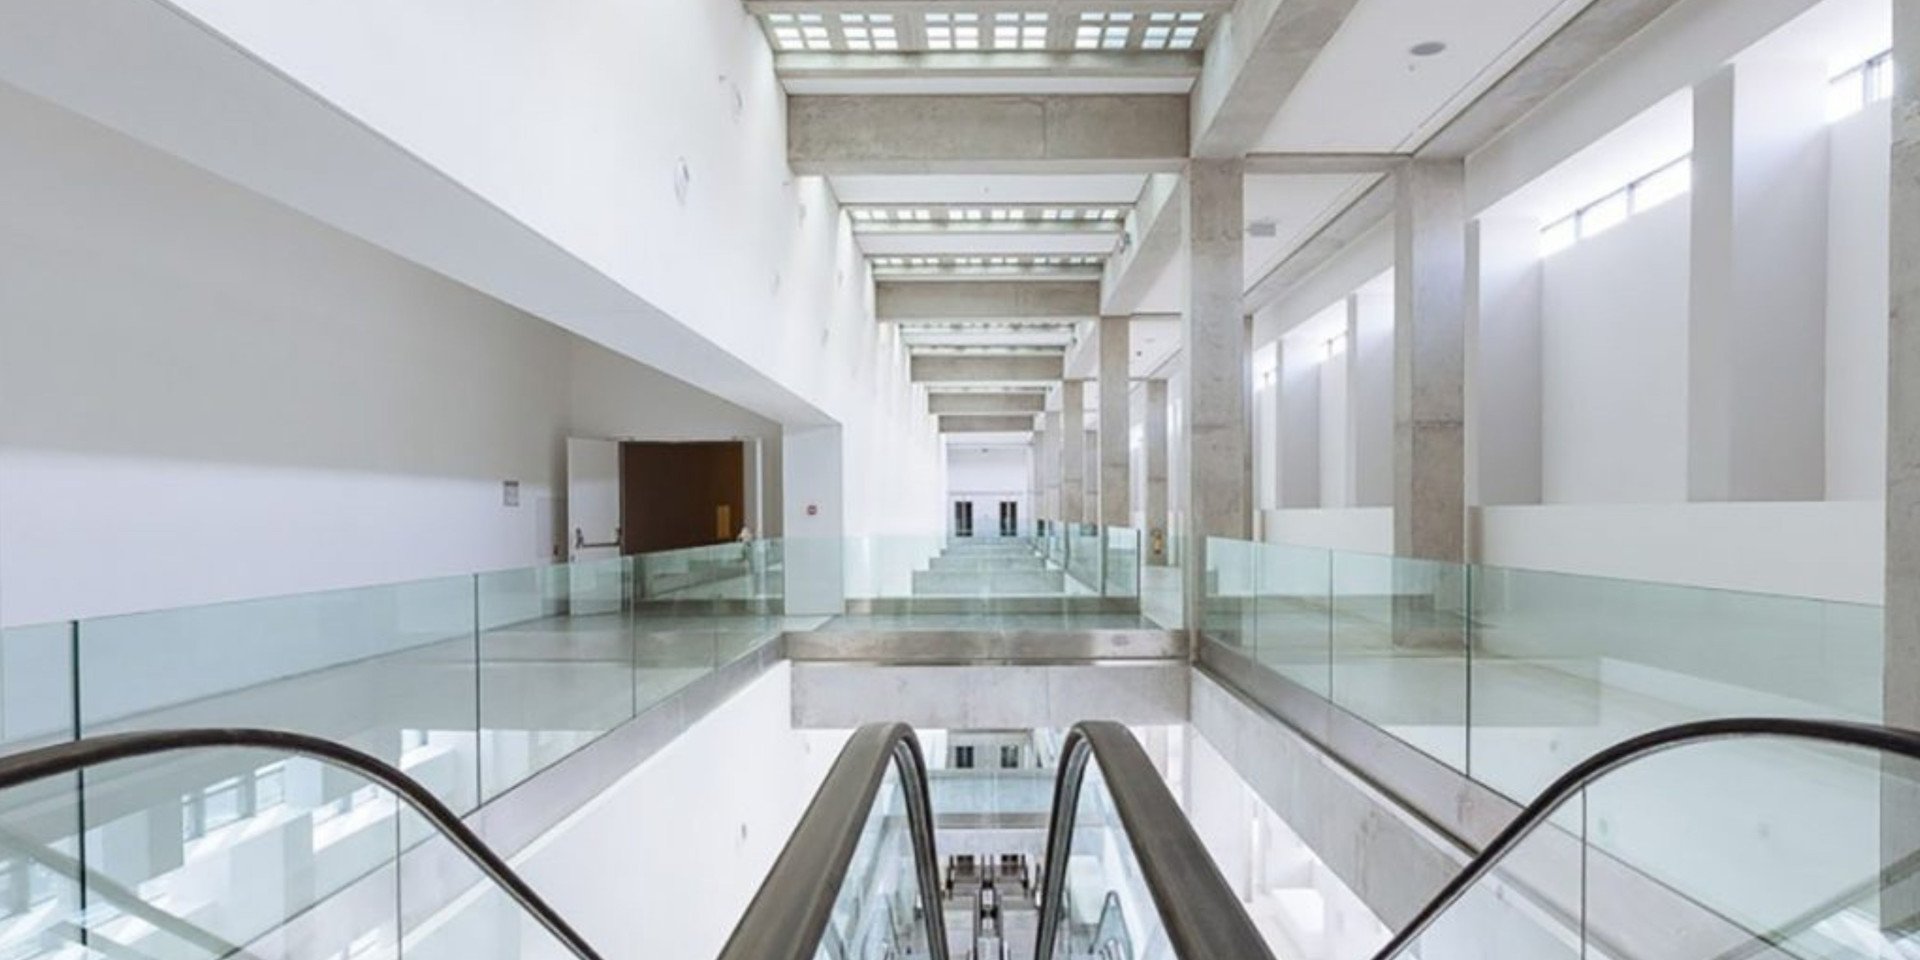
column 117, row 873
column 472, row 684
column 1117, row 831
column 860, row 869
column 1810, row 884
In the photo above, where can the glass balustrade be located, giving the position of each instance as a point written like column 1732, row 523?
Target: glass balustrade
column 470, row 684
column 1512, row 676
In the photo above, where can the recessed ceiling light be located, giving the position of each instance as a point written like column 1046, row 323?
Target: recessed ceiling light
column 1430, row 48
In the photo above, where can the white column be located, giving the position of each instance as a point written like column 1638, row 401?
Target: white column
column 1429, row 499
column 1503, row 361
column 1756, row 390
column 1297, row 411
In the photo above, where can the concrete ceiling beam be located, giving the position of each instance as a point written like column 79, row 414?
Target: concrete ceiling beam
column 988, row 368
column 1032, row 300
column 986, row 404
column 1256, row 59
column 1592, row 34
column 831, row 135
column 1152, row 241
column 973, row 424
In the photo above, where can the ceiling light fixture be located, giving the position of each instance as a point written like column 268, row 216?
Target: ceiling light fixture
column 1430, row 48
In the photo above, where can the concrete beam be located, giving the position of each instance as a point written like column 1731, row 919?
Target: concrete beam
column 1257, row 57
column 1592, row 34
column 992, row 404
column 979, row 424
column 1152, row 241
column 986, row 300
column 988, row 368
column 977, row 272
column 986, row 134
column 1317, row 164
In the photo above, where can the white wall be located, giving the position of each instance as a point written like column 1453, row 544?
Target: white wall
column 648, row 141
column 1614, row 364
column 662, row 864
column 205, row 396
column 1857, row 309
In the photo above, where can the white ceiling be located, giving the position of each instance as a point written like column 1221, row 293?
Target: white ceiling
column 1367, row 92
column 1298, row 206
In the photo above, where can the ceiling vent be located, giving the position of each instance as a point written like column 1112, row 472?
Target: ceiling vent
column 1263, row 229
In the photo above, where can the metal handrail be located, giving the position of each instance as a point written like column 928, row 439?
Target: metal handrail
column 790, row 913
column 1202, row 915
column 28, row 766
column 1893, row 740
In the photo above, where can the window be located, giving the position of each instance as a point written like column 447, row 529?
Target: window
column 1666, row 183
column 1869, row 82
column 1019, row 31
column 963, row 758
column 1009, row 757
column 953, row 31
column 1672, row 180
column 1103, row 31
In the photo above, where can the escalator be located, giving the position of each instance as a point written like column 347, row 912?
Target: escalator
column 1578, row 874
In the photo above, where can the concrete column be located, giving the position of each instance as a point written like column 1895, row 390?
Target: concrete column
column 1090, row 451
column 1901, row 671
column 1429, row 353
column 1050, row 459
column 1298, row 414
column 1073, row 456
column 1214, row 342
column 1159, row 526
column 1116, row 422
column 1504, row 453
column 1370, row 398
column 1756, row 359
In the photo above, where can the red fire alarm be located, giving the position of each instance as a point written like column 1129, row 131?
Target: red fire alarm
column 813, row 509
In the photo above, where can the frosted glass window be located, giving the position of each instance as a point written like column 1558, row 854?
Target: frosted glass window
column 1669, row 182
column 1604, row 216
column 1558, row 237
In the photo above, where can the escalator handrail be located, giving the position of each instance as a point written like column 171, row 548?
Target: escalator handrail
column 790, row 913
column 1202, row 915
column 28, row 766
column 1893, row 740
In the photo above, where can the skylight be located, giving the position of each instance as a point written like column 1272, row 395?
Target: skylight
column 1112, row 26
column 1100, row 218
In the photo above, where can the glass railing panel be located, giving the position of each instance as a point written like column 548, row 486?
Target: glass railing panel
column 550, row 681
column 1122, row 562
column 36, row 685
column 42, row 899
column 1086, row 555
column 1812, row 849
column 1399, row 630
column 449, row 910
column 239, row 852
column 1231, row 583
column 723, row 571
column 1104, row 885
column 1294, row 614
column 1530, row 907
column 877, row 911
column 388, row 669
column 1565, row 665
